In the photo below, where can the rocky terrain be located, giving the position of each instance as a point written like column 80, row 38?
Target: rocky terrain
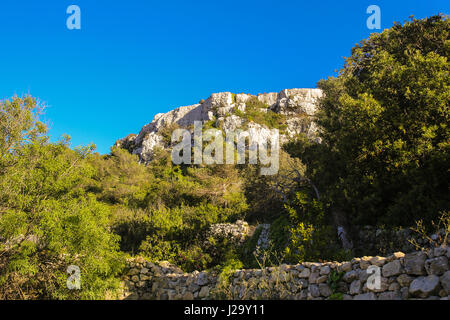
column 297, row 106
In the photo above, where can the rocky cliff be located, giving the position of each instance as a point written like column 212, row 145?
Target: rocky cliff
column 293, row 107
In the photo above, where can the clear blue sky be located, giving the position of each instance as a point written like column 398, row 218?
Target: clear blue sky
column 135, row 58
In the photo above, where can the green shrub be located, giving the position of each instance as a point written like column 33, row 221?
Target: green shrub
column 384, row 126
column 47, row 220
column 253, row 112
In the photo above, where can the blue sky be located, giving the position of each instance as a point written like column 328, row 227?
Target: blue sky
column 135, row 58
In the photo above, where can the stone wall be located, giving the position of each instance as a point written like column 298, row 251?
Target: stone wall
column 417, row 275
column 236, row 232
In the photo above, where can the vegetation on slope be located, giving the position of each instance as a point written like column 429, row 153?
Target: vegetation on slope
column 385, row 127
column 383, row 160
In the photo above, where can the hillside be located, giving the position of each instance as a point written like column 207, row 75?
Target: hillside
column 361, row 169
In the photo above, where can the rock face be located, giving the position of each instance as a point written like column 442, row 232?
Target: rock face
column 445, row 282
column 437, row 265
column 415, row 263
column 424, row 287
column 305, row 281
column 296, row 104
column 392, row 269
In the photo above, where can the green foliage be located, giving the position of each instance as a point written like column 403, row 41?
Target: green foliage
column 233, row 98
column 163, row 211
column 248, row 248
column 226, row 270
column 253, row 112
column 383, row 160
column 333, row 282
column 19, row 124
column 279, row 232
column 440, row 228
column 166, row 133
column 266, row 194
column 384, row 127
column 47, row 220
column 311, row 236
column 120, row 179
column 179, row 236
column 336, row 296
column 230, row 264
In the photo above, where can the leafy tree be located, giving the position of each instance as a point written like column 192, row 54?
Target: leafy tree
column 385, row 127
column 268, row 194
column 47, row 221
column 120, row 179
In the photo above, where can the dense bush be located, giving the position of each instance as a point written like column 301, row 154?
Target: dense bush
column 47, row 220
column 384, row 127
column 312, row 236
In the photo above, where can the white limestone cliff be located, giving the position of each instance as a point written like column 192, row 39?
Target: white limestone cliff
column 296, row 104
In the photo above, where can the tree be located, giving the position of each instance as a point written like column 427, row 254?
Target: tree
column 47, row 220
column 384, row 124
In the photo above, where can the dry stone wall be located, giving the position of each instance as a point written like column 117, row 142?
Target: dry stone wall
column 417, row 275
column 236, row 232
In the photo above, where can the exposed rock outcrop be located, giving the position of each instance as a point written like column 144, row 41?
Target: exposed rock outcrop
column 298, row 105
